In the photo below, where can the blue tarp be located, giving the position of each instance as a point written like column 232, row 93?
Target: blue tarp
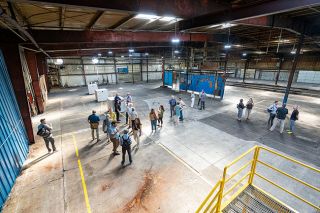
column 168, row 78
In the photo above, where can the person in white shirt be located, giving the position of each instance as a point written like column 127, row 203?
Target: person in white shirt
column 133, row 115
column 128, row 112
column 193, row 96
column 182, row 105
column 273, row 111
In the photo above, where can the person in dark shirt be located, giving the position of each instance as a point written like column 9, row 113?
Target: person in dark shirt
column 240, row 107
column 117, row 106
column 93, row 120
column 294, row 116
column 281, row 117
column 249, row 107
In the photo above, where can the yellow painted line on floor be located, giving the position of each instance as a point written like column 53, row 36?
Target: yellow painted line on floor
column 84, row 185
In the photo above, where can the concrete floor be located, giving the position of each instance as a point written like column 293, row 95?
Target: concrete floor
column 175, row 167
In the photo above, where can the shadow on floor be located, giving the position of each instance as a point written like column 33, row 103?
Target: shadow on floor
column 35, row 161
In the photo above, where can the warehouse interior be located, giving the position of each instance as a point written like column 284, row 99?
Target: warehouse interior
column 52, row 52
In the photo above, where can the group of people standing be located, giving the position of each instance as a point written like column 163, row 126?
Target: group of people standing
column 117, row 137
column 280, row 113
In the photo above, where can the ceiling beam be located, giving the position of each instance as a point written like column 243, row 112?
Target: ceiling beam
column 94, row 19
column 19, row 15
column 178, row 8
column 263, row 9
column 13, row 14
column 121, row 22
column 53, row 36
column 62, row 17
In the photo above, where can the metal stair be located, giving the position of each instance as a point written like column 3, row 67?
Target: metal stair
column 251, row 200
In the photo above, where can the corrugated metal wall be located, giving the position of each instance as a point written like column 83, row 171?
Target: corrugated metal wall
column 13, row 136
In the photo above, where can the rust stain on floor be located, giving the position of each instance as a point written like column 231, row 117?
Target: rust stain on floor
column 137, row 202
column 106, row 186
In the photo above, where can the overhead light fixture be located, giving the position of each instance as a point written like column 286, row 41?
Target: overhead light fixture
column 122, row 56
column 130, row 55
column 95, row 60
column 131, row 50
column 146, row 54
column 167, row 18
column 147, row 16
column 110, row 52
column 175, row 40
column 99, row 54
column 59, row 61
column 293, row 51
column 244, row 54
column 227, row 25
column 176, row 51
column 179, row 57
column 227, row 46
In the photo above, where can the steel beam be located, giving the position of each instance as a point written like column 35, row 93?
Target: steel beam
column 121, row 22
column 12, row 58
column 183, row 9
column 94, row 19
column 52, row 36
column 246, row 65
column 263, row 9
column 279, row 69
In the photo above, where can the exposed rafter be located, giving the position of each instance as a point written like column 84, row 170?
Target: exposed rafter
column 62, row 17
column 94, row 19
column 121, row 22
column 267, row 8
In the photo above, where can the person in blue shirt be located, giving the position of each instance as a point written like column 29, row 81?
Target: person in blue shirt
column 125, row 142
column 114, row 137
column 44, row 130
column 93, row 120
column 172, row 103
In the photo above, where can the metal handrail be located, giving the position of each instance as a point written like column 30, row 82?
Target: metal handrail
column 218, row 207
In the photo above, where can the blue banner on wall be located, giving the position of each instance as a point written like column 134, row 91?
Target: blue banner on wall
column 123, row 69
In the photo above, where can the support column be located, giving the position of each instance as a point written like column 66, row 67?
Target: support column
column 205, row 52
column 225, row 63
column 132, row 70
column 13, row 62
column 293, row 69
column 246, row 65
column 147, row 69
column 43, row 68
column 163, row 62
column 115, row 68
column 279, row 69
column 83, row 72
column 33, row 69
column 141, row 75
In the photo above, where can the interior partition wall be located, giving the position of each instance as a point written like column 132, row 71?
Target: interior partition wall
column 13, row 136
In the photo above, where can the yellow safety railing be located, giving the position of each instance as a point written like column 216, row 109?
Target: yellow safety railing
column 221, row 194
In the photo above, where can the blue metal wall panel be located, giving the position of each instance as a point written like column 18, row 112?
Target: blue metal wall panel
column 183, row 81
column 202, row 82
column 13, row 136
column 168, row 78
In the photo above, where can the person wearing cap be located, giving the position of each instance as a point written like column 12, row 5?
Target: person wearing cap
column 125, row 142
column 202, row 98
column 293, row 118
column 93, row 120
column 117, row 106
column 114, row 137
column 44, row 130
column 281, row 117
